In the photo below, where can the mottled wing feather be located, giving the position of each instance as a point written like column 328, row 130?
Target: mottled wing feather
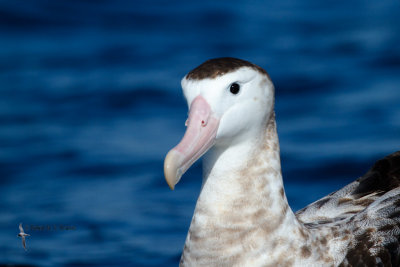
column 376, row 232
column 20, row 228
column 368, row 210
column 355, row 197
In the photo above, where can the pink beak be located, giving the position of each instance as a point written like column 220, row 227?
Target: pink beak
column 202, row 127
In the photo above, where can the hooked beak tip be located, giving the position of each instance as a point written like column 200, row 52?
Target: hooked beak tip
column 172, row 164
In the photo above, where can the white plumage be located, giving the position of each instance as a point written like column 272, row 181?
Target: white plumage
column 242, row 217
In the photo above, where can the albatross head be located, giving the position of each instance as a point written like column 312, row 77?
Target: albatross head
column 230, row 101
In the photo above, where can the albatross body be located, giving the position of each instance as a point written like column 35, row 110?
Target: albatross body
column 242, row 217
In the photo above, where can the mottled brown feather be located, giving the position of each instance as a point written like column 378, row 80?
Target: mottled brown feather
column 383, row 176
column 378, row 244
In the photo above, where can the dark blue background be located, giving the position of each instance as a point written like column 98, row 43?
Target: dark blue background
column 90, row 102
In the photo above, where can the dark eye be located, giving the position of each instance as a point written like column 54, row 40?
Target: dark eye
column 235, row 88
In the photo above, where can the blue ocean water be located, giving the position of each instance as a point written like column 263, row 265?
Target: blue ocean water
column 90, row 103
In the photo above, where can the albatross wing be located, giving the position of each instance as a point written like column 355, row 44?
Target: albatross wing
column 366, row 213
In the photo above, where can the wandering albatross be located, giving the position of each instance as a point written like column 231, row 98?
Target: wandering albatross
column 242, row 216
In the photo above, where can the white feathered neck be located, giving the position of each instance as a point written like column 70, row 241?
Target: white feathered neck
column 242, row 217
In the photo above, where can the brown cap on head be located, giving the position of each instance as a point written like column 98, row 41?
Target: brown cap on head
column 219, row 66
